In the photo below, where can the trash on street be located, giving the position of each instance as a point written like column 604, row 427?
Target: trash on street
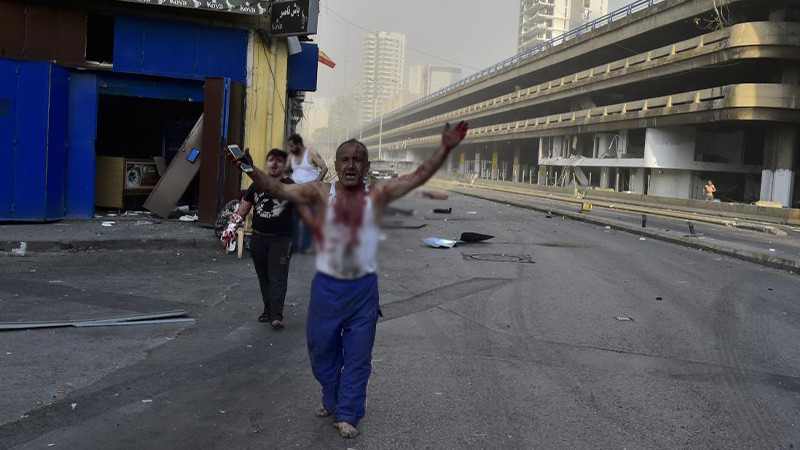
column 467, row 237
column 435, row 195
column 21, row 250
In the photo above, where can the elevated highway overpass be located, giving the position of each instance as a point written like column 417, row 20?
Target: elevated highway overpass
column 652, row 103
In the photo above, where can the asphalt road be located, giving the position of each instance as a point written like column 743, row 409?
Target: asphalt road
column 779, row 245
column 524, row 352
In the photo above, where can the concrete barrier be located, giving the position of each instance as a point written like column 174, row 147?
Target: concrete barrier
column 738, row 210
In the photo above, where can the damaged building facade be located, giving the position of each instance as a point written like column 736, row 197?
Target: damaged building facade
column 654, row 99
column 97, row 97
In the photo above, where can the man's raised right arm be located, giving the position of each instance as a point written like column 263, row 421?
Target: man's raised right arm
column 301, row 194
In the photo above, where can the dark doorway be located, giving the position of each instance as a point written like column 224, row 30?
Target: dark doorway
column 133, row 135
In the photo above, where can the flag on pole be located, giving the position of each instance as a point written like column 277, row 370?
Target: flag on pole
column 325, row 59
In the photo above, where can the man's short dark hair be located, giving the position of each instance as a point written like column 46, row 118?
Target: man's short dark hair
column 278, row 152
column 296, row 139
column 357, row 143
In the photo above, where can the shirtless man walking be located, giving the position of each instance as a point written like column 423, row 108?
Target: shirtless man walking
column 343, row 310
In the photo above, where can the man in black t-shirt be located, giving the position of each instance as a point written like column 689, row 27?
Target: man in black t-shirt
column 271, row 243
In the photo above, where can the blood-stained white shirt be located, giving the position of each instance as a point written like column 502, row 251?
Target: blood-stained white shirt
column 343, row 252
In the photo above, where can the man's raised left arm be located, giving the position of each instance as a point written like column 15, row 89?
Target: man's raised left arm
column 451, row 137
column 319, row 162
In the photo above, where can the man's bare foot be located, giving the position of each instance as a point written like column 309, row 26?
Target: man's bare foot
column 346, row 430
column 322, row 412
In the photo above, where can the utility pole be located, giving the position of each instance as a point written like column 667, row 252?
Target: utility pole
column 380, row 136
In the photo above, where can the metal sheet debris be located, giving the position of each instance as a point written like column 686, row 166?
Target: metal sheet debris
column 440, row 242
column 137, row 322
column 467, row 237
column 178, row 176
column 140, row 319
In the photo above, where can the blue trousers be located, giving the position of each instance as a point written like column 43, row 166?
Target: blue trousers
column 340, row 331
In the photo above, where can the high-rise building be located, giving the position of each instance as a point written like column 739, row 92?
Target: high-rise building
column 424, row 80
column 542, row 20
column 382, row 73
column 416, row 81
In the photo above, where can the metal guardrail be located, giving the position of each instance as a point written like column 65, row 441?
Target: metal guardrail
column 620, row 13
column 747, row 95
column 677, row 52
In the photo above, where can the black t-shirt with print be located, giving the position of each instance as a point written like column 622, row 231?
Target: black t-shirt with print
column 270, row 216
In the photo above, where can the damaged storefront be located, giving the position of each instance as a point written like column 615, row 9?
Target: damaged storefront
column 103, row 101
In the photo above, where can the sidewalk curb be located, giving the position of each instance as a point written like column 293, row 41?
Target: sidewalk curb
column 624, row 207
column 112, row 244
column 758, row 258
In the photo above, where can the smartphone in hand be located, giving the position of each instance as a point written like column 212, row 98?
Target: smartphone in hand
column 237, row 153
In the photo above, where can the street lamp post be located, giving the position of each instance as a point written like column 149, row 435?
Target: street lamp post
column 380, row 136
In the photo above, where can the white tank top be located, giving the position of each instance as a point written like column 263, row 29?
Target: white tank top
column 345, row 253
column 305, row 171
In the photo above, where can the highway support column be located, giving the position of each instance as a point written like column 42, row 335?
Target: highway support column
column 777, row 178
column 782, row 141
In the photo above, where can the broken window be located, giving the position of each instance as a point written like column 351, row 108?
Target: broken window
column 636, row 139
column 100, row 38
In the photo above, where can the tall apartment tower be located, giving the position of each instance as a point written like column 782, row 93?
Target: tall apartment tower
column 542, row 20
column 423, row 80
column 382, row 73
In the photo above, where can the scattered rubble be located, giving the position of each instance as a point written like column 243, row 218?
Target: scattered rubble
column 467, row 237
column 21, row 250
column 435, row 195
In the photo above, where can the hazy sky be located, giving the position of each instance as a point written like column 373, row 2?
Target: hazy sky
column 469, row 34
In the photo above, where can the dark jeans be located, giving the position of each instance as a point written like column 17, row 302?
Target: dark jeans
column 271, row 256
column 302, row 239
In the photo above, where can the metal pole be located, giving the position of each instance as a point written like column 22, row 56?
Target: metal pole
column 380, row 136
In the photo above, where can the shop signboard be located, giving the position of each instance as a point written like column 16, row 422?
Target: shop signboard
column 294, row 18
column 252, row 7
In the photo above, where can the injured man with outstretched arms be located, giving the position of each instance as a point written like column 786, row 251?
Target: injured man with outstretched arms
column 343, row 309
